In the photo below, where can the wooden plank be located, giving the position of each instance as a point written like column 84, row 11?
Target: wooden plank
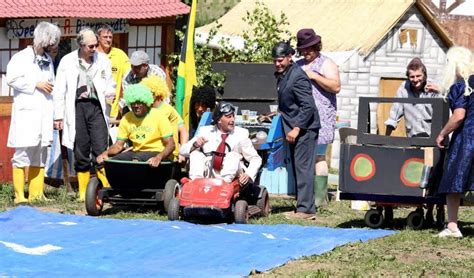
column 5, row 109
column 6, row 99
column 429, row 156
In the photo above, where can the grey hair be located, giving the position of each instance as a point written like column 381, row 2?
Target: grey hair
column 105, row 27
column 80, row 36
column 46, row 34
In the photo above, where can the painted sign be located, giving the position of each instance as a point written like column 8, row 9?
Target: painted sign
column 24, row 28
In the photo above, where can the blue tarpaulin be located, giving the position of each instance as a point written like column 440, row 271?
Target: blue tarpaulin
column 40, row 244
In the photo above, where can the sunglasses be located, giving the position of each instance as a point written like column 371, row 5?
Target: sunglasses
column 92, row 46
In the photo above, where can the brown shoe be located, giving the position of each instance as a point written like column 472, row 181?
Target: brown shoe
column 299, row 215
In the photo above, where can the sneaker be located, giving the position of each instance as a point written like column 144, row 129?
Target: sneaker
column 448, row 233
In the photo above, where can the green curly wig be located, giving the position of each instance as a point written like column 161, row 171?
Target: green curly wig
column 138, row 93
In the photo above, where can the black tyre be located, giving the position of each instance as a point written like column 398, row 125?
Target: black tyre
column 415, row 219
column 264, row 203
column 171, row 191
column 374, row 218
column 241, row 212
column 173, row 209
column 94, row 205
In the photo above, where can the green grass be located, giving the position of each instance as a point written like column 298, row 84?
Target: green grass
column 408, row 253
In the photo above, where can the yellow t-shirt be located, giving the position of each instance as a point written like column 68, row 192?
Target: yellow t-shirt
column 145, row 133
column 175, row 119
column 120, row 66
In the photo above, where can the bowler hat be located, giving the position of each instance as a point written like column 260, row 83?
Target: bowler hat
column 306, row 38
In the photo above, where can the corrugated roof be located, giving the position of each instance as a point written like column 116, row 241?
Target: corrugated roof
column 343, row 24
column 126, row 9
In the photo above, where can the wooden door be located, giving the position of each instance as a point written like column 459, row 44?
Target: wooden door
column 388, row 88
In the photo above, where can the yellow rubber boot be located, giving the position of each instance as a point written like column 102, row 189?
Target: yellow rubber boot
column 36, row 186
column 19, row 185
column 83, row 180
column 102, row 177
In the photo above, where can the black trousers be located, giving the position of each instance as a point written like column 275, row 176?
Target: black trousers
column 91, row 134
column 131, row 155
column 302, row 154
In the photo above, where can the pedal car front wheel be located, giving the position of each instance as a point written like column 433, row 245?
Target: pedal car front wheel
column 94, row 205
column 241, row 212
column 173, row 209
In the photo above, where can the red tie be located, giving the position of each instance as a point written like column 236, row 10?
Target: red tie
column 219, row 157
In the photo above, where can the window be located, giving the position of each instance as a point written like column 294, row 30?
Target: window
column 407, row 39
column 148, row 39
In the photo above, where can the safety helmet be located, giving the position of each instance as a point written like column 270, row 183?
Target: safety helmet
column 223, row 108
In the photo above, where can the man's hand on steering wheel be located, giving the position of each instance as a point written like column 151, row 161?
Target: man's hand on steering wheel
column 154, row 161
column 103, row 156
column 200, row 141
column 244, row 179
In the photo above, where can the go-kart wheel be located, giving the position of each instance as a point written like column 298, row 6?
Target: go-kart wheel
column 415, row 219
column 264, row 203
column 241, row 212
column 94, row 205
column 173, row 209
column 388, row 214
column 171, row 191
column 374, row 218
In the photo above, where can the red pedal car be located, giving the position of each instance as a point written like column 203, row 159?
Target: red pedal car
column 211, row 197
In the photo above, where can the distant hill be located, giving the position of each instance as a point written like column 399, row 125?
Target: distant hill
column 210, row 10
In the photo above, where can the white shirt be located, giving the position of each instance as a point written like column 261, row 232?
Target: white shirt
column 238, row 141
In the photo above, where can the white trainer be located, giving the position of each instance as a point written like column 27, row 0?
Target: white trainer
column 448, row 233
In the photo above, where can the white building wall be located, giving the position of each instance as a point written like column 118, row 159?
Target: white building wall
column 360, row 76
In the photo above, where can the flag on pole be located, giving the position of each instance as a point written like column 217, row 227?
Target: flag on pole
column 186, row 69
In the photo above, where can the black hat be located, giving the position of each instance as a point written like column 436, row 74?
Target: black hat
column 223, row 108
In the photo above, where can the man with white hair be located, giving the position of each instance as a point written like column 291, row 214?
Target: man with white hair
column 83, row 83
column 31, row 75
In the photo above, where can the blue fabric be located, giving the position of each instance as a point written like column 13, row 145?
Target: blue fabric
column 457, row 175
column 82, row 246
column 320, row 149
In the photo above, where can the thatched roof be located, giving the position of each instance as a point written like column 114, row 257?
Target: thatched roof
column 343, row 24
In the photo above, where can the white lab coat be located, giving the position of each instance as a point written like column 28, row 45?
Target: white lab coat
column 32, row 111
column 238, row 141
column 65, row 91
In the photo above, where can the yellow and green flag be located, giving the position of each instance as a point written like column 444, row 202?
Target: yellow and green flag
column 186, row 69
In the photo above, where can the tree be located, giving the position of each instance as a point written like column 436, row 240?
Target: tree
column 265, row 31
